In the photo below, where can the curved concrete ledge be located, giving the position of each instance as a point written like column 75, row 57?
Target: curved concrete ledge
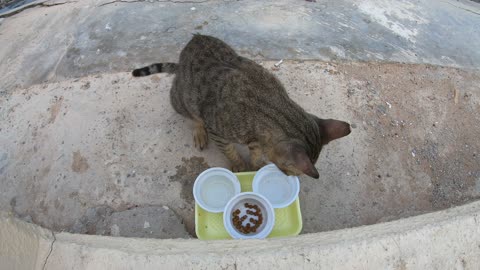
column 23, row 245
column 448, row 239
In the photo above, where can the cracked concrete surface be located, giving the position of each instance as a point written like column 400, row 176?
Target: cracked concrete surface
column 23, row 245
column 442, row 240
column 50, row 251
column 79, row 134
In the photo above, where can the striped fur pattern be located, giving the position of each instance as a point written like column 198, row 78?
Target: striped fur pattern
column 155, row 68
column 233, row 100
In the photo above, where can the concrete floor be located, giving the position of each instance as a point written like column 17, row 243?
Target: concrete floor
column 86, row 148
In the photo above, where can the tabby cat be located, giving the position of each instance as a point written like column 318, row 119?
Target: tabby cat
column 232, row 99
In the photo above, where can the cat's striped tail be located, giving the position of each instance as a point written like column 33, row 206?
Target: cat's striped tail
column 155, row 68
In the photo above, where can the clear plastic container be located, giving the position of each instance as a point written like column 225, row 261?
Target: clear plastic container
column 209, row 226
column 280, row 189
column 214, row 187
column 238, row 202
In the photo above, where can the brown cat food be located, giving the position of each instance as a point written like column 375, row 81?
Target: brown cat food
column 232, row 99
column 252, row 225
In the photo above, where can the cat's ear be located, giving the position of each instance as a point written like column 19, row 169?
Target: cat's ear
column 331, row 129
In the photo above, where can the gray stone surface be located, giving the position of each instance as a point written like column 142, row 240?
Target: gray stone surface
column 94, row 36
column 137, row 221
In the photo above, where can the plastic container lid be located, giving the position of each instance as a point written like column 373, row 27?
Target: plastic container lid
column 238, row 202
column 280, row 189
column 214, row 187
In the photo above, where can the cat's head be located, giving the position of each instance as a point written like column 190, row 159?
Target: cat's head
column 295, row 157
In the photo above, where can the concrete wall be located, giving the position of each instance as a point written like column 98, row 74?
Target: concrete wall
column 447, row 239
column 23, row 245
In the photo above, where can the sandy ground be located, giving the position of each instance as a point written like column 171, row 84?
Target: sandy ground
column 93, row 154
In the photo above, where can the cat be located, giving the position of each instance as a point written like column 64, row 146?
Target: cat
column 233, row 100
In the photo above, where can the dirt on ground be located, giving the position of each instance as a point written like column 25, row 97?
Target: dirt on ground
column 106, row 154
column 421, row 122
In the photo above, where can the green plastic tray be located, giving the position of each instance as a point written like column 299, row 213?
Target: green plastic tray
column 209, row 226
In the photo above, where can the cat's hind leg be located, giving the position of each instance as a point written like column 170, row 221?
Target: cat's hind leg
column 176, row 99
column 200, row 135
column 229, row 150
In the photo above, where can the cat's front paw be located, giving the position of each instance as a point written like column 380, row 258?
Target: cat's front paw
column 200, row 137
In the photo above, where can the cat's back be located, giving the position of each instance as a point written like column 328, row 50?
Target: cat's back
column 236, row 97
column 212, row 66
column 206, row 52
column 207, row 48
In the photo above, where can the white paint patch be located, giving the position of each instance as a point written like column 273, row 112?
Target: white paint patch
column 115, row 230
column 338, row 51
column 477, row 185
column 345, row 25
column 447, row 60
column 146, row 224
column 402, row 54
column 121, row 53
column 401, row 17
